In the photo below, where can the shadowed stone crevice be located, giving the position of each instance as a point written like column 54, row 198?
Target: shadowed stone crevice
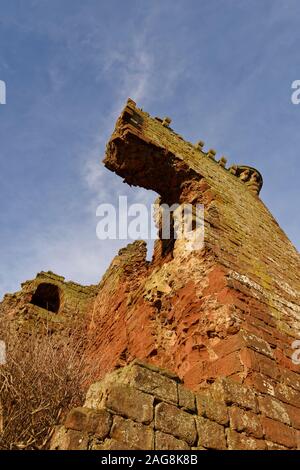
column 47, row 296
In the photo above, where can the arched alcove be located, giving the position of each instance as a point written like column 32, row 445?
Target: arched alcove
column 47, row 296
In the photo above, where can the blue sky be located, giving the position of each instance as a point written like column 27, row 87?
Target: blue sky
column 222, row 69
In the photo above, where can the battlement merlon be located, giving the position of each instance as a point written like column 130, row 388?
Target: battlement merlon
column 142, row 149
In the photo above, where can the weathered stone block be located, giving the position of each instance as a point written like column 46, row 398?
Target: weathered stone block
column 77, row 419
column 209, row 408
column 294, row 416
column 124, row 400
column 274, row 409
column 279, row 433
column 58, row 439
column 268, row 367
column 68, row 439
column 94, row 396
column 245, row 421
column 88, row 420
column 273, row 446
column 176, row 422
column 231, row 392
column 291, row 378
column 287, row 394
column 210, row 435
column 165, row 441
column 186, row 398
column 261, row 383
column 238, row 441
column 132, row 433
column 244, row 340
column 256, row 343
column 207, row 370
column 152, row 382
column 167, row 373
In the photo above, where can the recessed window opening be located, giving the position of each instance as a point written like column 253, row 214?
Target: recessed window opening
column 47, row 296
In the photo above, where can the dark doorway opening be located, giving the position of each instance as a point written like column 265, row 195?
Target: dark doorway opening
column 47, row 296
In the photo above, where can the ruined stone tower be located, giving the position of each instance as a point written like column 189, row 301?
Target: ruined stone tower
column 231, row 308
column 222, row 319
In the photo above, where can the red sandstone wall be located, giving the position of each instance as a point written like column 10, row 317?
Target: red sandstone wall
column 231, row 309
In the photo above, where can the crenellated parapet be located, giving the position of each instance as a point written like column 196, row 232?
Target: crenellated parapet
column 134, row 121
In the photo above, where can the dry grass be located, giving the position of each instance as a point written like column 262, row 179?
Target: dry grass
column 41, row 380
